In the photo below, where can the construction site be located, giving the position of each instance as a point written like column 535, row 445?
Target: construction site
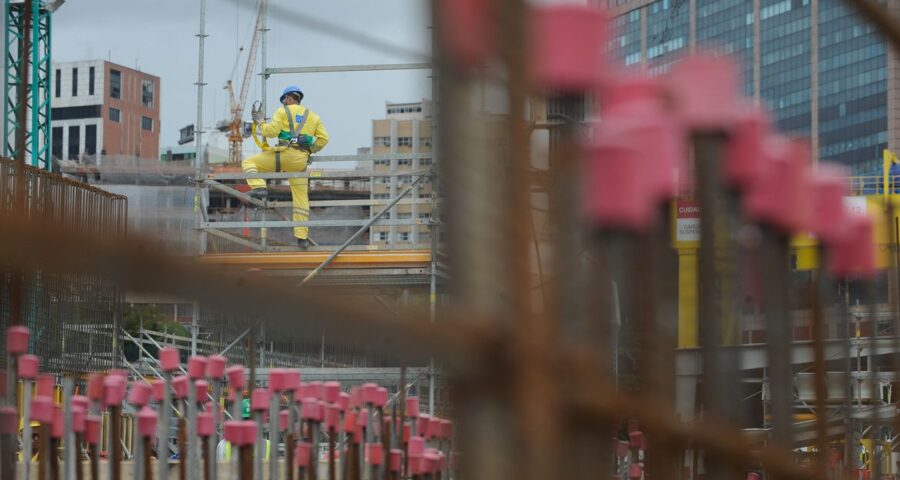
column 616, row 240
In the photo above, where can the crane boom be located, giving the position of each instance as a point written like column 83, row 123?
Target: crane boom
column 236, row 137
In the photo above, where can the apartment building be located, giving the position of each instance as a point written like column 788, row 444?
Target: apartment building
column 101, row 108
column 406, row 128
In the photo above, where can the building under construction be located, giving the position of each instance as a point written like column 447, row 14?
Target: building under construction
column 618, row 273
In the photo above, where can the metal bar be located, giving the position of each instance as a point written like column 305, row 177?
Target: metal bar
column 234, row 193
column 234, row 238
column 316, row 174
column 359, row 232
column 349, row 68
column 310, row 223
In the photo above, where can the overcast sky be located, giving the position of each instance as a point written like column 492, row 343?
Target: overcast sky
column 159, row 37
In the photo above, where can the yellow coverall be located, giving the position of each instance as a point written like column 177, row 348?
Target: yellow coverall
column 292, row 159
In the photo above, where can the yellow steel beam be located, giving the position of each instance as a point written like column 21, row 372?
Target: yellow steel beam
column 295, row 260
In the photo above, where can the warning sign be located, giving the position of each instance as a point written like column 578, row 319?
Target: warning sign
column 687, row 221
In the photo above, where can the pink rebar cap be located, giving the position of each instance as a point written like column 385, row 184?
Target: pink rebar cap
column 467, row 30
column 260, row 399
column 412, row 407
column 235, row 375
column 852, row 253
column 569, row 47
column 113, row 390
column 158, row 386
column 180, row 386
column 332, row 391
column 375, row 453
column 46, row 384
column 17, row 340
column 705, row 89
column 139, row 394
column 215, row 367
column 169, row 360
column 92, row 429
column 78, row 417
column 196, row 367
column 28, row 367
column 302, row 454
column 206, row 425
column 147, row 420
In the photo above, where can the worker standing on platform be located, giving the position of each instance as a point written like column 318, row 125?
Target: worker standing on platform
column 302, row 132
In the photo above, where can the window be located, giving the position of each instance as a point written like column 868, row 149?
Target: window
column 404, row 179
column 424, row 237
column 425, row 141
column 381, row 196
column 58, row 83
column 147, row 123
column 74, row 82
column 147, row 93
column 56, row 149
column 404, row 236
column 404, row 141
column 382, row 162
column 381, row 236
column 383, row 141
column 91, row 81
column 90, row 139
column 114, row 114
column 424, row 194
column 404, row 162
column 404, row 215
column 74, row 142
column 115, row 84
column 424, row 161
column 424, row 216
column 75, row 113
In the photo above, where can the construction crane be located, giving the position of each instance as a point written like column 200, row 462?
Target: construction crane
column 235, row 128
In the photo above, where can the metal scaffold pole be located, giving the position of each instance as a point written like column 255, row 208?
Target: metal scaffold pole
column 199, row 164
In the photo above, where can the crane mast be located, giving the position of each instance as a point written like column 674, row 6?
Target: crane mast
column 235, row 135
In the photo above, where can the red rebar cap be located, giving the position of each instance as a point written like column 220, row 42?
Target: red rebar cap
column 139, row 394
column 312, row 410
column 92, row 429
column 755, row 476
column 284, row 418
column 303, row 454
column 9, row 420
column 412, row 407
column 332, row 391
column 780, row 196
column 57, row 427
column 569, row 45
column 442, row 461
column 362, row 418
column 416, row 446
column 631, row 93
column 852, row 253
column 381, row 397
column 355, row 397
column 29, row 366
column 95, row 386
column 829, row 187
column 407, row 432
column 78, row 417
column 375, row 453
column 369, row 392
column 395, row 460
column 206, row 425
column 180, row 386
column 235, row 375
column 705, row 89
column 744, row 150
column 168, row 359
column 81, row 401
column 422, row 424
column 635, row 471
column 118, row 372
column 350, row 422
column 240, row 433
column 434, row 428
column 196, row 367
column 636, row 439
column 260, row 399
column 333, row 417
column 619, row 193
column 17, row 340
column 113, row 390
column 45, row 385
column 278, row 379
column 429, row 462
column 343, row 401
column 467, row 30
column 292, row 380
column 318, row 390
column 202, row 389
column 215, row 367
column 446, row 429
column 158, row 387
column 147, row 420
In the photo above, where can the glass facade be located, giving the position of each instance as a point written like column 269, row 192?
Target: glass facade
column 852, row 89
column 727, row 27
column 668, row 29
column 852, row 65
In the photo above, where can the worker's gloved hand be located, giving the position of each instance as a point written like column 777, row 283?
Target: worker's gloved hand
column 306, row 140
column 258, row 116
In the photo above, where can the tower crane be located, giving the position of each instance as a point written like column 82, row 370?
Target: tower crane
column 235, row 128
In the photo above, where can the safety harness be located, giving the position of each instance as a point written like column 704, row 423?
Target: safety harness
column 295, row 132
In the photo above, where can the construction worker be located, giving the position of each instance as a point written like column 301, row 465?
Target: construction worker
column 35, row 441
column 302, row 132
